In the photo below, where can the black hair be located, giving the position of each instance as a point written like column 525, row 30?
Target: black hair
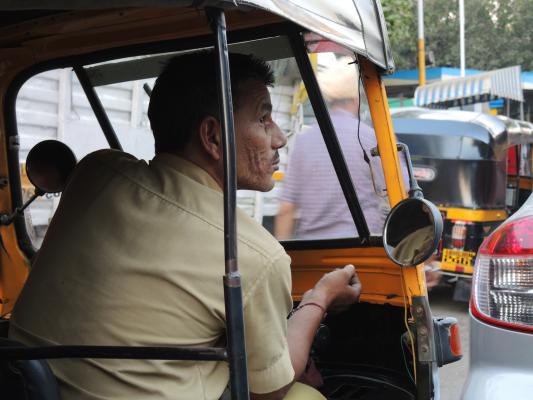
column 187, row 91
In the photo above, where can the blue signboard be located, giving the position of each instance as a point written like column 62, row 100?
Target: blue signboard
column 498, row 103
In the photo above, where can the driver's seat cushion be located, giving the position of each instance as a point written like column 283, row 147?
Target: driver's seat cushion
column 26, row 379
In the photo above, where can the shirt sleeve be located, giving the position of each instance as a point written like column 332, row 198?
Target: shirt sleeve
column 267, row 304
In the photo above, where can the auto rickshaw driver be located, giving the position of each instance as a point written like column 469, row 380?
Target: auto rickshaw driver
column 122, row 275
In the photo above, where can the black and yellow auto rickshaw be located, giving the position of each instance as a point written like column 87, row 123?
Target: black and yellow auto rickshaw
column 387, row 346
column 461, row 160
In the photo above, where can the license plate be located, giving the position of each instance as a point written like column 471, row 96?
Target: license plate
column 458, row 260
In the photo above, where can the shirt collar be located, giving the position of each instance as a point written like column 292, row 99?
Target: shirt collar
column 188, row 169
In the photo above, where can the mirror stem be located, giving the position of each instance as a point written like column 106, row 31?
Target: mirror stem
column 414, row 190
column 7, row 219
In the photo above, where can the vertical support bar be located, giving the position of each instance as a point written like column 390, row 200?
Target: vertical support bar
column 97, row 108
column 379, row 109
column 415, row 284
column 421, row 45
column 328, row 133
column 232, row 278
column 462, row 36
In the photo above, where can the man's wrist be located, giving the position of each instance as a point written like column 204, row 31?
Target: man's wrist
column 308, row 304
column 316, row 296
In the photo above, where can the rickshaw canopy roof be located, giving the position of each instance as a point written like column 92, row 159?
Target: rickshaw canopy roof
column 451, row 134
column 496, row 131
column 453, row 126
column 358, row 25
column 476, row 125
column 520, row 132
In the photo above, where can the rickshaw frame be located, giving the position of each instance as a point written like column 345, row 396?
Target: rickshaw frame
column 412, row 277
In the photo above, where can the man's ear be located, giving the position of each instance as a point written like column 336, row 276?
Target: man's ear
column 211, row 137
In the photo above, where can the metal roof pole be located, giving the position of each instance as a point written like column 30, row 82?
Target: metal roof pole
column 232, row 278
column 462, row 35
column 421, row 45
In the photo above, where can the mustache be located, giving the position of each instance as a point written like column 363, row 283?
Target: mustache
column 276, row 158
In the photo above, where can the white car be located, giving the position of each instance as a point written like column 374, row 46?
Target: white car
column 501, row 311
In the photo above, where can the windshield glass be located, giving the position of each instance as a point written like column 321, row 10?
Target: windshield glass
column 310, row 184
column 305, row 179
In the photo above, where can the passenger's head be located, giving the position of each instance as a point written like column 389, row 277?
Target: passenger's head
column 184, row 115
column 338, row 84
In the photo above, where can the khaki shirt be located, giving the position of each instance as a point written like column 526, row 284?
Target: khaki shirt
column 414, row 247
column 135, row 256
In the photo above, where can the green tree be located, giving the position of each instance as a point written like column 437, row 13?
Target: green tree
column 497, row 32
column 514, row 24
column 401, row 25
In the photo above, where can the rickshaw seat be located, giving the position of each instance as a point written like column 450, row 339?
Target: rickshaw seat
column 26, row 379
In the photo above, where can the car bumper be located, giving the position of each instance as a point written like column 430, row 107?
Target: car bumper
column 501, row 366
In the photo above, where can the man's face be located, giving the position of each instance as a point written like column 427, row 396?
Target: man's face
column 258, row 138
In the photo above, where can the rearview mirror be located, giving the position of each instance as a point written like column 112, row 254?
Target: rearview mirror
column 412, row 231
column 48, row 166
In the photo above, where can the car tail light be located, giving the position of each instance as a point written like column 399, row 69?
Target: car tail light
column 502, row 289
column 459, row 234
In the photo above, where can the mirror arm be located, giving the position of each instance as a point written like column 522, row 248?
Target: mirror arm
column 7, row 219
column 415, row 191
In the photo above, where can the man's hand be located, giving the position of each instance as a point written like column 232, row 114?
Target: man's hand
column 337, row 290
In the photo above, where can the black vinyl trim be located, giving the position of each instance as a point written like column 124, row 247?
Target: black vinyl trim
column 114, row 352
column 329, row 244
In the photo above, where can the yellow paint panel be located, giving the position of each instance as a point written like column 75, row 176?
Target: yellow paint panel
column 380, row 277
column 379, row 109
column 14, row 266
column 465, row 214
column 413, row 278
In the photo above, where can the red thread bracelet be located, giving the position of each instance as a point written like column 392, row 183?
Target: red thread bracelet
column 310, row 303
